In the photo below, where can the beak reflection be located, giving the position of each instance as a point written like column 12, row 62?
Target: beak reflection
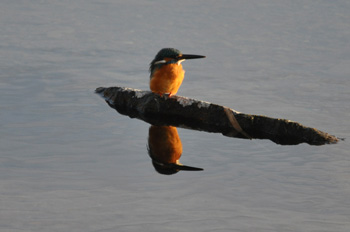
column 165, row 150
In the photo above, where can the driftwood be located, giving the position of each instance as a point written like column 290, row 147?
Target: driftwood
column 204, row 116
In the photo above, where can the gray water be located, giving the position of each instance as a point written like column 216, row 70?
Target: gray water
column 68, row 162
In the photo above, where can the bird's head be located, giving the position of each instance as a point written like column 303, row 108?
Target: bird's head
column 169, row 56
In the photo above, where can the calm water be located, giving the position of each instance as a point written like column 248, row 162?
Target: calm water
column 68, row 162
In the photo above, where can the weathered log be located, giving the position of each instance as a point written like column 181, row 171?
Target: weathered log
column 204, row 116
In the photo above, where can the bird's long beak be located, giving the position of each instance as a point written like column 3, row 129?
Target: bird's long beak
column 184, row 167
column 188, row 56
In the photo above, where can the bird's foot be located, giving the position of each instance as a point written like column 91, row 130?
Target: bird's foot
column 165, row 94
column 169, row 95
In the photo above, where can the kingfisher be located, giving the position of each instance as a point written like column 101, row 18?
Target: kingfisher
column 166, row 71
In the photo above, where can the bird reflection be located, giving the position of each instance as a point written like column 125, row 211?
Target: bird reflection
column 165, row 149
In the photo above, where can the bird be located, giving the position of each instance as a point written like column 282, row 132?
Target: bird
column 166, row 72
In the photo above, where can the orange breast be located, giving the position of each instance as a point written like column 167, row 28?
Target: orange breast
column 167, row 79
column 165, row 143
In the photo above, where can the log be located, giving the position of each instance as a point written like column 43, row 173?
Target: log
column 193, row 114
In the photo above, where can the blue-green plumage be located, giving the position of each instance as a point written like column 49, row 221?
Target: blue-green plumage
column 159, row 61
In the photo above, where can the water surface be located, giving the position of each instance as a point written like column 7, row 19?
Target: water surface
column 70, row 163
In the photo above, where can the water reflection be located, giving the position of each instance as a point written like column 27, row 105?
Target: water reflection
column 165, row 150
